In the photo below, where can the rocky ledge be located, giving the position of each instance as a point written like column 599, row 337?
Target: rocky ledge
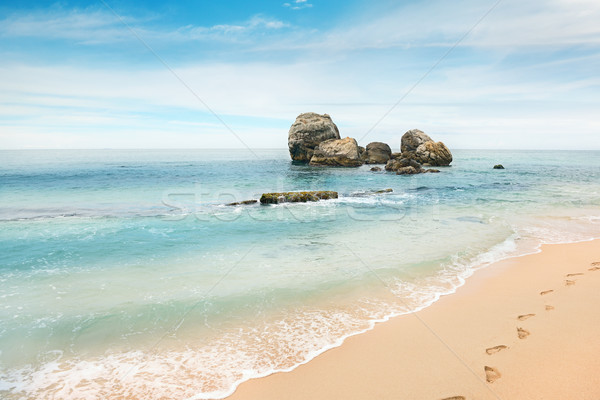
column 297, row 197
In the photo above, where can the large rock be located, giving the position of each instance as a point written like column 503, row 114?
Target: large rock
column 307, row 132
column 337, row 153
column 413, row 139
column 377, row 153
column 418, row 146
column 297, row 197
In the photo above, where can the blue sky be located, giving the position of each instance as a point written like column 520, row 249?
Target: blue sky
column 230, row 74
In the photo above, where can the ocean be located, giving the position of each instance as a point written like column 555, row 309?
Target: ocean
column 123, row 273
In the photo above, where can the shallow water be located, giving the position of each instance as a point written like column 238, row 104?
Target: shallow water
column 122, row 273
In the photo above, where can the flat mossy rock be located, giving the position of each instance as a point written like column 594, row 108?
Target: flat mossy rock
column 297, row 197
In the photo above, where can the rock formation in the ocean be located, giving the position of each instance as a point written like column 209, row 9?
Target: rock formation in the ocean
column 375, row 169
column 377, row 153
column 418, row 146
column 337, row 153
column 307, row 132
column 407, row 166
column 297, row 197
column 498, row 166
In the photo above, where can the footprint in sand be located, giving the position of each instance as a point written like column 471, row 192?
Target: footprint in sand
column 495, row 349
column 455, row 398
column 574, row 274
column 569, row 283
column 596, row 268
column 524, row 317
column 523, row 333
column 596, row 264
column 548, row 308
column 491, row 374
column 546, row 292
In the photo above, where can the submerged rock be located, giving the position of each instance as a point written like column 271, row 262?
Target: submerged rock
column 242, row 203
column 417, row 145
column 337, row 153
column 377, row 153
column 407, row 166
column 498, row 166
column 307, row 132
column 375, row 169
column 384, row 191
column 395, row 165
column 297, row 197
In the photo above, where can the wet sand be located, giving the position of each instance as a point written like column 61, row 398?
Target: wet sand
column 523, row 328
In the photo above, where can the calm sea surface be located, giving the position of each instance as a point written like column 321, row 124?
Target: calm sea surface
column 124, row 272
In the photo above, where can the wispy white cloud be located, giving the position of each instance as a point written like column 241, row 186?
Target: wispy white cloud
column 298, row 4
column 464, row 106
column 438, row 23
column 98, row 26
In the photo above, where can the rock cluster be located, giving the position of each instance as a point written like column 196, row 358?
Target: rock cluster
column 315, row 139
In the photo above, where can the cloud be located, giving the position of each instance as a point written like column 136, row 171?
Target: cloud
column 298, row 5
column 512, row 24
column 465, row 106
column 255, row 24
column 98, row 26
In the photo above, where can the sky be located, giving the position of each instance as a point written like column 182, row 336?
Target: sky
column 490, row 74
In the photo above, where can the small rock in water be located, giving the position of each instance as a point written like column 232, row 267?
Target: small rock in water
column 389, row 190
column 498, row 166
column 375, row 169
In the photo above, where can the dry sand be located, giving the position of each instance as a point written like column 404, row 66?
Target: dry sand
column 524, row 328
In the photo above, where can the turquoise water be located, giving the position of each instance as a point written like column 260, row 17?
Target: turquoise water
column 123, row 273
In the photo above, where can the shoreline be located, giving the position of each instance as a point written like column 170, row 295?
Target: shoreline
column 306, row 380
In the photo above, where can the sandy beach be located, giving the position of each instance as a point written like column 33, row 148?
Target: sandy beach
column 523, row 328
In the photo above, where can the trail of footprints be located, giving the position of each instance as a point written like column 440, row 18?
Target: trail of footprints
column 491, row 373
